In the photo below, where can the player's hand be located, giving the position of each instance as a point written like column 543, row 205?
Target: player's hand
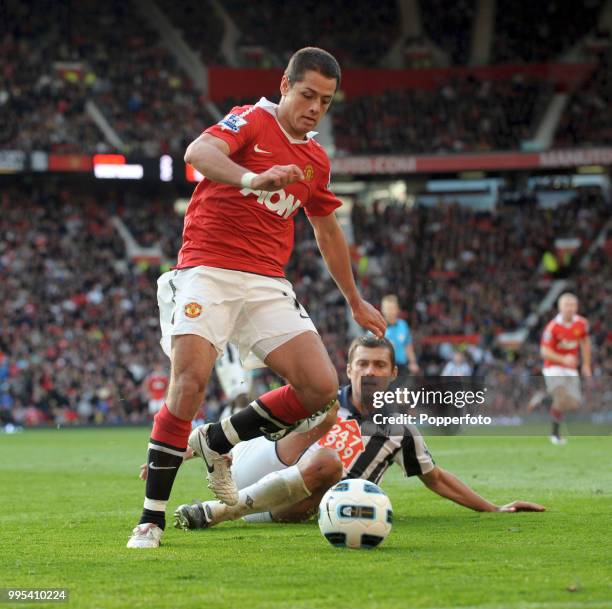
column 586, row 371
column 570, row 360
column 277, row 177
column 369, row 317
column 414, row 368
column 521, row 506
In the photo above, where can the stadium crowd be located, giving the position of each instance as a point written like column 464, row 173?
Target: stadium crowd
column 534, row 32
column 464, row 114
column 588, row 118
column 359, row 34
column 57, row 60
column 450, row 26
column 79, row 334
column 59, row 56
column 451, row 266
column 77, row 321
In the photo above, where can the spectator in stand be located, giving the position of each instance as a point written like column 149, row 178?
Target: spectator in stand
column 458, row 366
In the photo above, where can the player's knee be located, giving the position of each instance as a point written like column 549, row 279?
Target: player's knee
column 321, row 386
column 326, row 388
column 189, row 383
column 325, row 469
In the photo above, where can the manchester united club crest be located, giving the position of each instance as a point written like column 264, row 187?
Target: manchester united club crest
column 308, row 172
column 193, row 310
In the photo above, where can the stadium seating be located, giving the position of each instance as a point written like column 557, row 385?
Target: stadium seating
column 461, row 115
column 98, row 51
column 358, row 37
column 199, row 24
column 588, row 117
column 77, row 328
column 459, row 271
column 527, row 31
column 78, row 334
column 450, row 26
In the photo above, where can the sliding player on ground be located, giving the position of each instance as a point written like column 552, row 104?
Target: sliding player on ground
column 261, row 164
column 280, row 482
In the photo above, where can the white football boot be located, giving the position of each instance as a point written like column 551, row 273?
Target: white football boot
column 557, row 440
column 147, row 535
column 218, row 466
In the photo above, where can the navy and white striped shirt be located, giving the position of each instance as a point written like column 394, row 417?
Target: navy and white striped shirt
column 384, row 447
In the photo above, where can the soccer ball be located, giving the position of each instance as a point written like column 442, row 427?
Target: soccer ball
column 355, row 514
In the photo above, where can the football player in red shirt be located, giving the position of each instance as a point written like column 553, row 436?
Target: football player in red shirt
column 565, row 338
column 261, row 164
column 156, row 385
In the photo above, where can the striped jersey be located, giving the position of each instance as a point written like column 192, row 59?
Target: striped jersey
column 402, row 445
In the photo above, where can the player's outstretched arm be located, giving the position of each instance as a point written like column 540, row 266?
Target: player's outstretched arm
column 210, row 156
column 585, row 349
column 334, row 249
column 449, row 486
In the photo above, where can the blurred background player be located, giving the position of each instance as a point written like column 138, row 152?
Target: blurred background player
column 235, row 380
column 565, row 342
column 399, row 334
column 261, row 165
column 156, row 385
column 258, row 462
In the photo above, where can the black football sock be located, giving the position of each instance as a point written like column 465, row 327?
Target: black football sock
column 251, row 422
column 556, row 426
column 163, row 461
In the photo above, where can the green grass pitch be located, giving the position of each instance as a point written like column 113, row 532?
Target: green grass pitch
column 71, row 497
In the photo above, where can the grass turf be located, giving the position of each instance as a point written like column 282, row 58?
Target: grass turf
column 70, row 498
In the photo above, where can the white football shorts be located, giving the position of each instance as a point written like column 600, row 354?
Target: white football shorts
column 556, row 377
column 255, row 312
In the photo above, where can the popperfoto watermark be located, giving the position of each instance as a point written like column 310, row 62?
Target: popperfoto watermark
column 496, row 404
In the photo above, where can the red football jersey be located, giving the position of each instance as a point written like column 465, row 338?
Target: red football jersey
column 157, row 385
column 245, row 230
column 563, row 338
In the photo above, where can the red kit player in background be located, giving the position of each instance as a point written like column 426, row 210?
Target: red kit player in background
column 261, row 164
column 156, row 385
column 565, row 339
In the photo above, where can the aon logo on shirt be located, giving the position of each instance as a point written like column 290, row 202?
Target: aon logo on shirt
column 279, row 201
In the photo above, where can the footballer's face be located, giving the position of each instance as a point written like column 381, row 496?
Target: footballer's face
column 370, row 362
column 568, row 306
column 304, row 103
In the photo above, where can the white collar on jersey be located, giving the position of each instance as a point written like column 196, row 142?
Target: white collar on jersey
column 559, row 320
column 271, row 108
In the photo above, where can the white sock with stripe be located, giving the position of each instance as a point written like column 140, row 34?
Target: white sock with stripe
column 277, row 489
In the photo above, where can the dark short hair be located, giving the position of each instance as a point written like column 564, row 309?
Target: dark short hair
column 372, row 342
column 312, row 58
